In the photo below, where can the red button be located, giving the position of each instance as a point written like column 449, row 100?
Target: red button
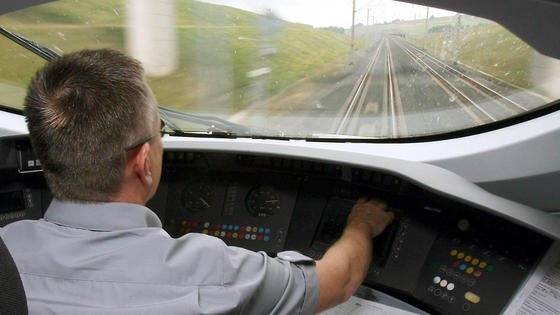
column 477, row 273
column 456, row 263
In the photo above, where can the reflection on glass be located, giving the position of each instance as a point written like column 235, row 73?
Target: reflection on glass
column 304, row 68
column 17, row 65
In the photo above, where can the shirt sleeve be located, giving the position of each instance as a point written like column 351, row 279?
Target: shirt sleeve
column 286, row 284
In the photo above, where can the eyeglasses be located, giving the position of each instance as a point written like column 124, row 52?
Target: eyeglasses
column 147, row 139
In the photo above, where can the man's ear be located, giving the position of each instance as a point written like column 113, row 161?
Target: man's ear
column 142, row 164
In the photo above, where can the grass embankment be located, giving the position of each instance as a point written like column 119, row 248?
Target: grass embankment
column 496, row 51
column 484, row 46
column 217, row 46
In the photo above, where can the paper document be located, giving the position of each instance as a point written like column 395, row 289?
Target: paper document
column 359, row 306
column 541, row 292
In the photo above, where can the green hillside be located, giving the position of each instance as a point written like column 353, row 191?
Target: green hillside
column 210, row 39
column 484, row 45
column 498, row 52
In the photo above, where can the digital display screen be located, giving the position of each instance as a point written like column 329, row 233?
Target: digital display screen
column 12, row 201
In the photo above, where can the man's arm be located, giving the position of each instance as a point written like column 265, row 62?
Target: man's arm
column 344, row 266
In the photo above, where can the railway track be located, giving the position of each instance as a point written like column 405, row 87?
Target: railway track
column 470, row 101
column 397, row 123
column 355, row 102
column 481, row 95
column 472, row 108
column 391, row 111
column 481, row 87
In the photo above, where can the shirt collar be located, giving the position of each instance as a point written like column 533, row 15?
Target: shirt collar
column 103, row 216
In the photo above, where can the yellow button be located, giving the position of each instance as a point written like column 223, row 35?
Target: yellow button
column 468, row 258
column 471, row 297
column 453, row 252
column 204, row 231
column 255, row 229
column 470, row 270
column 483, row 265
column 475, row 261
column 234, row 235
column 217, row 233
column 460, row 255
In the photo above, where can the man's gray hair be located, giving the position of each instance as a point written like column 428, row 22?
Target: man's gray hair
column 82, row 110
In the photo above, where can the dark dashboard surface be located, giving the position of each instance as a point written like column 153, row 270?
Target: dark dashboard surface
column 439, row 255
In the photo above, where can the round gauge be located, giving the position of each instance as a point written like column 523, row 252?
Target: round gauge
column 197, row 196
column 263, row 201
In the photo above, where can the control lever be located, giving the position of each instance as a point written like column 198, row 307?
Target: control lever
column 383, row 243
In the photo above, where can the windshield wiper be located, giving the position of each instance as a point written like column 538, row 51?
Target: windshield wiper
column 40, row 50
column 217, row 126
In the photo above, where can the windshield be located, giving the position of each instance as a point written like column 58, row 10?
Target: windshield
column 362, row 69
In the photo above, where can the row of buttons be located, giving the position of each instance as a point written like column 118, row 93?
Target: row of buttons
column 375, row 178
column 400, row 238
column 300, row 165
column 464, row 267
column 458, row 276
column 469, row 259
column 444, row 283
column 227, row 227
column 442, row 294
column 180, row 156
column 235, row 235
column 469, row 296
column 12, row 215
column 33, row 163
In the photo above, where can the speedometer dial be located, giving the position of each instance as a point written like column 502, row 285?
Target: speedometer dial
column 263, row 201
column 197, row 196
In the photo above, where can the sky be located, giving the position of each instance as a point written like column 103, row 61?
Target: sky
column 323, row 13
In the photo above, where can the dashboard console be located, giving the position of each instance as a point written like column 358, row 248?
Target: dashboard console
column 23, row 192
column 445, row 256
column 440, row 254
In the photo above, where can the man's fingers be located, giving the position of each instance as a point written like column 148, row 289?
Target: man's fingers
column 362, row 200
column 372, row 200
column 390, row 217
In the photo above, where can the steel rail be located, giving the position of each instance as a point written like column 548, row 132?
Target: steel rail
column 481, row 87
column 391, row 93
column 352, row 104
column 449, row 86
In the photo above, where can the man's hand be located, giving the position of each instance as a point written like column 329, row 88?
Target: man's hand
column 370, row 213
column 344, row 266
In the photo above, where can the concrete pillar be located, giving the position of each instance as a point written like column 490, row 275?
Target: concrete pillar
column 151, row 35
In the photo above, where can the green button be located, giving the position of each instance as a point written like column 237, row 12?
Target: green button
column 490, row 268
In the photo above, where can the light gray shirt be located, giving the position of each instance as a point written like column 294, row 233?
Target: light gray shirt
column 114, row 258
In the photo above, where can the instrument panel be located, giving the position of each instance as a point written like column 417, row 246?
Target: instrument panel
column 441, row 255
column 249, row 201
column 248, row 210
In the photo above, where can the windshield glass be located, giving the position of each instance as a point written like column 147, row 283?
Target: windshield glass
column 362, row 69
